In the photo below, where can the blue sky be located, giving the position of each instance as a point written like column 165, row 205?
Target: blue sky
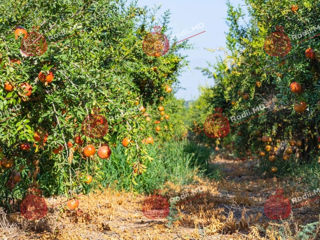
column 199, row 15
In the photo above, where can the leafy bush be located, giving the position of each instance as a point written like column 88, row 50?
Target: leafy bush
column 287, row 129
column 96, row 66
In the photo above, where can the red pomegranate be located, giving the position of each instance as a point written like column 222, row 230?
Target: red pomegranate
column 155, row 43
column 104, row 151
column 277, row 44
column 216, row 125
column 25, row 146
column 295, row 87
column 310, row 53
column 277, row 206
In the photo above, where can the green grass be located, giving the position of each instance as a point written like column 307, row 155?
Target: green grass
column 309, row 173
column 201, row 155
column 176, row 162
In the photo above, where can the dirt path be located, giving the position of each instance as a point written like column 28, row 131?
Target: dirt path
column 228, row 209
column 244, row 189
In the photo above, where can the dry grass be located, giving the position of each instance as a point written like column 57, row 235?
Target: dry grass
column 229, row 209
